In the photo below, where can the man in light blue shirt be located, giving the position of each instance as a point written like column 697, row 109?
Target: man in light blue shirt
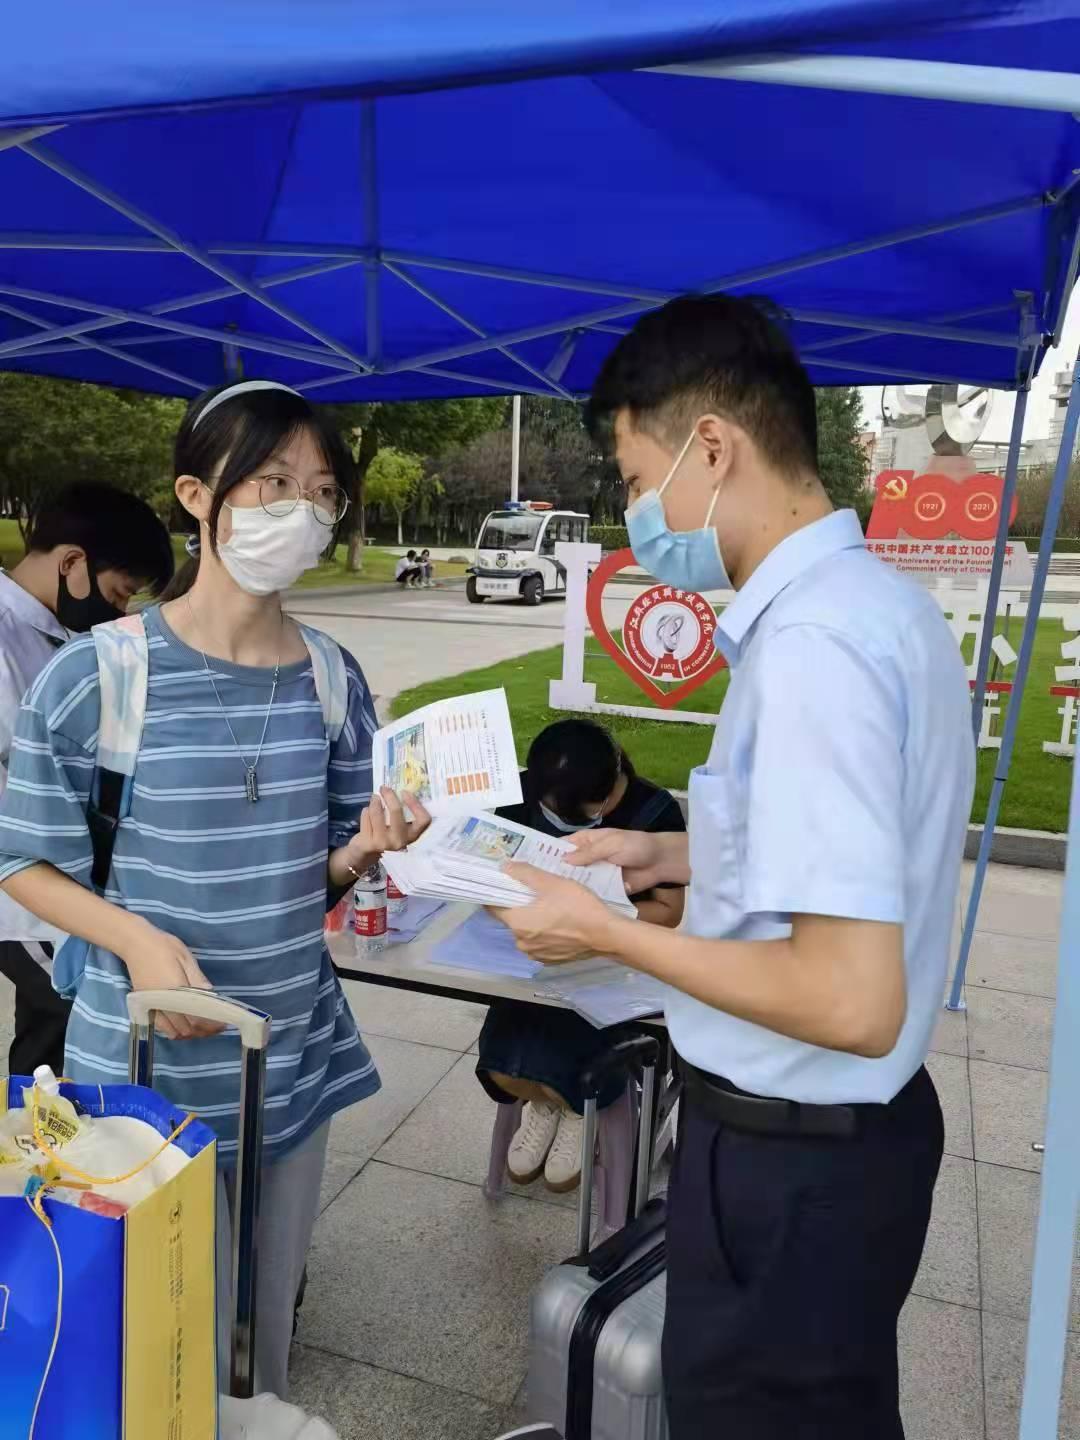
column 826, row 833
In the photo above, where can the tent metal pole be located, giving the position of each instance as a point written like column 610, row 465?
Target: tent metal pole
column 1067, row 287
column 370, row 181
column 740, row 278
column 556, row 367
column 12, row 139
column 889, row 325
column 69, row 172
column 111, row 350
column 1023, row 664
column 498, row 387
column 515, row 447
column 982, row 216
column 917, row 79
column 997, row 565
column 890, row 372
column 182, row 302
column 243, row 338
column 484, row 271
column 843, row 340
column 351, row 254
column 463, row 320
column 1059, row 1199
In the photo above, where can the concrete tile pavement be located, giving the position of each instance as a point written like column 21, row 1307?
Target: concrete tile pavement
column 415, row 1323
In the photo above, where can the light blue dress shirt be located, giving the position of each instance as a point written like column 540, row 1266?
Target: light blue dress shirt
column 839, row 783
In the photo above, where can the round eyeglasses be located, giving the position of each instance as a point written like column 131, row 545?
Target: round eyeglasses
column 280, row 494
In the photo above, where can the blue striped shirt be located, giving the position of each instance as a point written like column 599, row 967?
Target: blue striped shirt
column 242, row 885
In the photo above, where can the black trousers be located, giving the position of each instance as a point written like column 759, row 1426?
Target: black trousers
column 41, row 1015
column 789, row 1260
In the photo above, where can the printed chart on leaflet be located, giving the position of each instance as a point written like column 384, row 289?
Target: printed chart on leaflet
column 454, row 755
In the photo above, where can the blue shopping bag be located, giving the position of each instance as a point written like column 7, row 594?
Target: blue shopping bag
column 107, row 1324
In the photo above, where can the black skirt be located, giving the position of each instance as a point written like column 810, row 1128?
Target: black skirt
column 548, row 1046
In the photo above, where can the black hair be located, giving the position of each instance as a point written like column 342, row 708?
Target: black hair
column 574, row 763
column 725, row 353
column 239, row 436
column 115, row 530
column 410, row 555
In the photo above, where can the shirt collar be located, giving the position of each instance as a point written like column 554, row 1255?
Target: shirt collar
column 795, row 554
column 28, row 610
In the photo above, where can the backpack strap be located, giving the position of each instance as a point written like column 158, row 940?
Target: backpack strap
column 123, row 667
column 123, row 670
column 331, row 679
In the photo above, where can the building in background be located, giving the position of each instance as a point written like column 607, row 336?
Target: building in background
column 1059, row 398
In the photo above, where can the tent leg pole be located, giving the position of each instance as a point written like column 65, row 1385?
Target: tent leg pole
column 1012, row 718
column 998, row 564
column 1060, row 1193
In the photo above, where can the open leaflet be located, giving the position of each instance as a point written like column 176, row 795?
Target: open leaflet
column 460, row 857
column 454, row 755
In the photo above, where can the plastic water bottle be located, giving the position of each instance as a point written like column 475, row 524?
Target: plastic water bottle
column 369, row 912
column 46, row 1081
column 395, row 898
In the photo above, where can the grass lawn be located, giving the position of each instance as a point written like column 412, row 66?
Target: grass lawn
column 378, row 563
column 1036, row 797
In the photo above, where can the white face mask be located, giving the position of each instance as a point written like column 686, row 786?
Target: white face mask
column 266, row 553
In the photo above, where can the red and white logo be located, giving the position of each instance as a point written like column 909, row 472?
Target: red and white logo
column 668, row 633
column 935, row 507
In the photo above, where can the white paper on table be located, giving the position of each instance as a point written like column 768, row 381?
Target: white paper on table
column 454, row 755
column 483, row 943
column 460, row 857
column 609, row 994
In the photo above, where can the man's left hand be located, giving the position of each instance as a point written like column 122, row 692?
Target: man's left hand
column 565, row 922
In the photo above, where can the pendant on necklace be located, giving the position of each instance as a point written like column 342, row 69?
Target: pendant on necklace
column 251, row 784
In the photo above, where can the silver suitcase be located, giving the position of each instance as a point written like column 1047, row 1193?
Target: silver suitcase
column 597, row 1320
column 254, row 1028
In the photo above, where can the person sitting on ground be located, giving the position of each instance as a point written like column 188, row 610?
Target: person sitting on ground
column 576, row 777
column 407, row 571
column 427, row 570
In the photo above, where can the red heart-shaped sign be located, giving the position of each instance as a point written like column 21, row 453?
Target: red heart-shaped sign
column 666, row 631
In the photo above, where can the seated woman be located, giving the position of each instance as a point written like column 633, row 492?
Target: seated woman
column 576, row 777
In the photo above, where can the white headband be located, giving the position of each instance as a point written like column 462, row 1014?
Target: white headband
column 243, row 387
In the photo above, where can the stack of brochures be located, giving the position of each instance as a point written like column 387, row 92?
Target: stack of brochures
column 460, row 857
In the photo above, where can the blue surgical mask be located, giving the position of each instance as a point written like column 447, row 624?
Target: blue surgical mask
column 689, row 559
column 568, row 827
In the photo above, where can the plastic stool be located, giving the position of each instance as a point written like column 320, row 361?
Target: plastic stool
column 615, row 1132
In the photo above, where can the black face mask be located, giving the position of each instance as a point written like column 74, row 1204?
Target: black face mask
column 80, row 615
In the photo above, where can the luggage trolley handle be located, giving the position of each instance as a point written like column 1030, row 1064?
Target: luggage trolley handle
column 254, row 1028
column 643, row 1051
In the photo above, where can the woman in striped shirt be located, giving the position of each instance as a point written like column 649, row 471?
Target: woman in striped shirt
column 246, row 824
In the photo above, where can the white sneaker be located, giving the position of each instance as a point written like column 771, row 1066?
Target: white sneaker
column 562, row 1171
column 529, row 1148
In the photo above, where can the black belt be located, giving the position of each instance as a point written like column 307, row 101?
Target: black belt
column 763, row 1115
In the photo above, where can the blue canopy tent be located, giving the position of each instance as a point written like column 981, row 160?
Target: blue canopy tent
column 396, row 201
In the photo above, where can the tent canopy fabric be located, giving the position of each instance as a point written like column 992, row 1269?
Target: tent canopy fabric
column 337, row 202
column 115, row 57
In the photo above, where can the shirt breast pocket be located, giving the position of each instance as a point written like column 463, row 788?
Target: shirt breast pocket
column 717, row 826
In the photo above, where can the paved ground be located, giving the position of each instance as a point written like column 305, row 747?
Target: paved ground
column 416, row 1316
column 404, row 637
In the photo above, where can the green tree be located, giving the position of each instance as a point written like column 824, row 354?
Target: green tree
column 842, row 461
column 1033, row 495
column 392, row 479
column 53, row 432
column 421, row 427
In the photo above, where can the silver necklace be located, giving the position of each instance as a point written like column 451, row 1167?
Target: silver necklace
column 251, row 777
